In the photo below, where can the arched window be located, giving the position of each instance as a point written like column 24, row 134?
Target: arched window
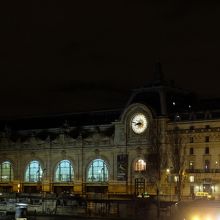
column 33, row 172
column 6, row 172
column 64, row 171
column 97, row 171
column 140, row 165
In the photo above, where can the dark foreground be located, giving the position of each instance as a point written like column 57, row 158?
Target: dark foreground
column 54, row 217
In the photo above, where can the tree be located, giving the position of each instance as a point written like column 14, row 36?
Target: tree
column 177, row 157
column 156, row 157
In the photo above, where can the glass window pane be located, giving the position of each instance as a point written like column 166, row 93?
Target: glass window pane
column 33, row 172
column 6, row 171
column 140, row 165
column 64, row 171
column 97, row 171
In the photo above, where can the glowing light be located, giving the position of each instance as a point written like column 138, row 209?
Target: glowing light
column 191, row 179
column 19, row 187
column 195, row 217
column 208, row 217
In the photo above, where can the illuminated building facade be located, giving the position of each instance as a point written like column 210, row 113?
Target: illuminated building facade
column 105, row 152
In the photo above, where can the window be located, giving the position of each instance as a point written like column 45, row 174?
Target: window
column 140, row 165
column 207, row 150
column 191, row 179
column 97, row 171
column 64, row 171
column 33, row 172
column 6, row 172
column 207, row 165
column 207, row 139
column 191, row 165
column 191, row 150
column 176, row 178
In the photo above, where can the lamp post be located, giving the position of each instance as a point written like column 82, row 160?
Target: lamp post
column 169, row 180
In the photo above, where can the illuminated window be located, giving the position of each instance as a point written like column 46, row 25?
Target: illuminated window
column 97, row 171
column 64, row 171
column 191, row 165
column 207, row 165
column 140, row 165
column 6, row 172
column 176, row 178
column 191, row 179
column 33, row 172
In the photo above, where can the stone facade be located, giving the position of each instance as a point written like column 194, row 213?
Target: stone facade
column 102, row 155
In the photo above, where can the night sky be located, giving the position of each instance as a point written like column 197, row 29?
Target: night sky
column 63, row 56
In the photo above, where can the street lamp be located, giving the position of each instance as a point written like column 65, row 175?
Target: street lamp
column 168, row 171
column 169, row 181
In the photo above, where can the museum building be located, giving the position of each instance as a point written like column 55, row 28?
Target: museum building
column 108, row 152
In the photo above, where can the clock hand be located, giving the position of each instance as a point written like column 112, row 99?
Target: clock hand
column 139, row 123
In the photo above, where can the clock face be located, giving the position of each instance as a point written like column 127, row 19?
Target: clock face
column 139, row 123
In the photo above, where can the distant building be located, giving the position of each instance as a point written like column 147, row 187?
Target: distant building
column 107, row 152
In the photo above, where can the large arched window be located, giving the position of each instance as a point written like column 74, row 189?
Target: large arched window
column 6, row 172
column 140, row 165
column 97, row 171
column 64, row 171
column 33, row 172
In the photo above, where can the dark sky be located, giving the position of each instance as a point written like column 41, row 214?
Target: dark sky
column 62, row 56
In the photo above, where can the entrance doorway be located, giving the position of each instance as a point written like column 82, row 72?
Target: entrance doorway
column 6, row 189
column 62, row 189
column 207, row 188
column 139, row 186
column 96, row 192
column 32, row 189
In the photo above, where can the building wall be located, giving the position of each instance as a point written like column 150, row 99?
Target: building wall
column 123, row 141
column 194, row 134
